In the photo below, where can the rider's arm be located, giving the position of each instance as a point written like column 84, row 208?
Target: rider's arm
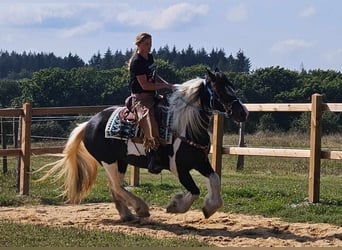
column 158, row 84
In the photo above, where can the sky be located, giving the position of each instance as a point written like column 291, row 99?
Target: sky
column 293, row 34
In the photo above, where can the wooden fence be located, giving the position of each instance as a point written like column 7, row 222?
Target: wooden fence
column 315, row 153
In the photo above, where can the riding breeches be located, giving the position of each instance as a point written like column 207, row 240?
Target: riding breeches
column 147, row 121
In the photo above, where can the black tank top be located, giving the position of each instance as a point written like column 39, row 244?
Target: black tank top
column 141, row 66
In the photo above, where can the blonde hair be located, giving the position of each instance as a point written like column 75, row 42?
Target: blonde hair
column 139, row 39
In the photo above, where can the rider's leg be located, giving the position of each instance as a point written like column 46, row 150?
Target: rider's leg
column 154, row 166
column 144, row 107
column 149, row 126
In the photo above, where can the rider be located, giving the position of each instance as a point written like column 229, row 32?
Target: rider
column 144, row 84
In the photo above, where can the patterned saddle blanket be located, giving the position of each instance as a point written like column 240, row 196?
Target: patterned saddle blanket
column 123, row 125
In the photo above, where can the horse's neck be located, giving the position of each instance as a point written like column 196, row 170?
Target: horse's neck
column 190, row 117
column 202, row 136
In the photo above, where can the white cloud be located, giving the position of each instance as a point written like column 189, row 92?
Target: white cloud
column 178, row 14
column 160, row 19
column 27, row 14
column 308, row 12
column 238, row 13
column 81, row 30
column 291, row 45
column 76, row 18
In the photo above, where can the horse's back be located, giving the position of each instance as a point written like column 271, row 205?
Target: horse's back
column 94, row 139
column 98, row 122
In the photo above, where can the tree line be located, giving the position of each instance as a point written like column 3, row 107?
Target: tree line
column 89, row 86
column 16, row 66
column 93, row 85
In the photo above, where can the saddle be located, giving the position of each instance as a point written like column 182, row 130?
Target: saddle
column 123, row 123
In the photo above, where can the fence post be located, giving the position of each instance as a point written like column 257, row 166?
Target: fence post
column 19, row 156
column 4, row 144
column 315, row 148
column 25, row 149
column 135, row 172
column 216, row 160
column 241, row 158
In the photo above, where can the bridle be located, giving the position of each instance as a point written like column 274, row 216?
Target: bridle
column 215, row 97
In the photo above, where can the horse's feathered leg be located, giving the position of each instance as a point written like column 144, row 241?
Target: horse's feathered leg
column 122, row 194
column 181, row 203
column 124, row 212
column 213, row 200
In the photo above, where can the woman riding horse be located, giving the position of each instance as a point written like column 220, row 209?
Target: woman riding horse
column 191, row 107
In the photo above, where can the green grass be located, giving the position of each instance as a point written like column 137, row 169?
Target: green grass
column 268, row 186
column 21, row 235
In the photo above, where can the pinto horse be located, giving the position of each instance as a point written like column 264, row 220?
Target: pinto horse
column 191, row 106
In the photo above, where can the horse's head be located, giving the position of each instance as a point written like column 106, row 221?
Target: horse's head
column 224, row 97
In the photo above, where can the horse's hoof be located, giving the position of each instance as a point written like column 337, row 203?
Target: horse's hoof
column 144, row 215
column 170, row 210
column 173, row 209
column 205, row 212
column 128, row 218
column 208, row 213
column 144, row 221
column 142, row 210
column 155, row 171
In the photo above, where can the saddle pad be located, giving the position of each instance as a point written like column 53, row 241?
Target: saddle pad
column 118, row 130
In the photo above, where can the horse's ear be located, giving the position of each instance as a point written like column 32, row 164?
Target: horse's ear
column 211, row 75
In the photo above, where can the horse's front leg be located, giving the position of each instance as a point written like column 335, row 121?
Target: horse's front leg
column 122, row 197
column 181, row 203
column 213, row 200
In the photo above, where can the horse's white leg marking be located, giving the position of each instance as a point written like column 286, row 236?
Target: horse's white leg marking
column 181, row 203
column 122, row 194
column 213, row 200
column 173, row 166
column 124, row 212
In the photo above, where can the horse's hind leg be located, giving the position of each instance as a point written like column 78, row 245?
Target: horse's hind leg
column 121, row 196
column 124, row 212
column 213, row 200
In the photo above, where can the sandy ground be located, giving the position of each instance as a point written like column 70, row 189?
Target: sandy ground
column 221, row 229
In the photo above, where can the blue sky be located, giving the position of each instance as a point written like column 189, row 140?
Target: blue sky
column 287, row 33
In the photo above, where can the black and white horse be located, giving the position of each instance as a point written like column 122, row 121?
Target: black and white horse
column 191, row 106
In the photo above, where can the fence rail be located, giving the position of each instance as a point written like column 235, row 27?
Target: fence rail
column 314, row 153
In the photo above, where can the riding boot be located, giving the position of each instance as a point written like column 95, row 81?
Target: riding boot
column 153, row 163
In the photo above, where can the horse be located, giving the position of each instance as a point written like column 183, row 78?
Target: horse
column 191, row 106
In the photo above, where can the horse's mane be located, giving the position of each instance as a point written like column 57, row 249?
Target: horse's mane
column 185, row 107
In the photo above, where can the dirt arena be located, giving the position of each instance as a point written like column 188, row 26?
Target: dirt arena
column 221, row 229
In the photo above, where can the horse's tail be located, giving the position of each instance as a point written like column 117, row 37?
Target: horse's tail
column 77, row 166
